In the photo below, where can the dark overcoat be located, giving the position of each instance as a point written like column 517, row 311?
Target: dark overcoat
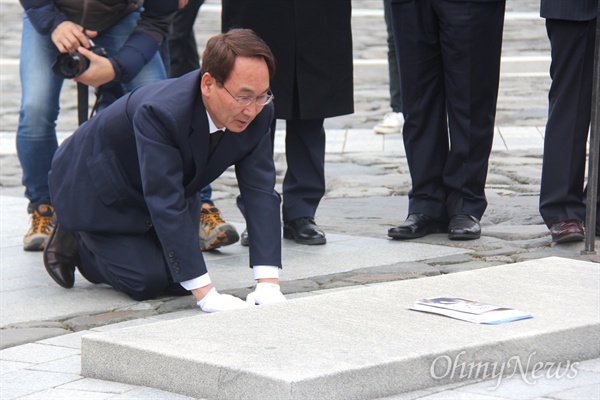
column 312, row 44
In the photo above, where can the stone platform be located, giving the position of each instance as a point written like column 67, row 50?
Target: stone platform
column 362, row 343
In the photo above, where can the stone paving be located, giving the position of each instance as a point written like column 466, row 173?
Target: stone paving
column 368, row 182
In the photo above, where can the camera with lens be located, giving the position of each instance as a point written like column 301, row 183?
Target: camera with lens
column 69, row 66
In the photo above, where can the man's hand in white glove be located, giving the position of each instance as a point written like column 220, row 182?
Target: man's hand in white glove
column 265, row 293
column 215, row 301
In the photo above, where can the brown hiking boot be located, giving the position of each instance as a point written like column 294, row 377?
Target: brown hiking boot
column 214, row 231
column 40, row 229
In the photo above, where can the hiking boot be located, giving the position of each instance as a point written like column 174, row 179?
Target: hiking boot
column 214, row 231
column 41, row 228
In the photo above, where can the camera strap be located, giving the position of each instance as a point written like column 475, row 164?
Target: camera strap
column 82, row 102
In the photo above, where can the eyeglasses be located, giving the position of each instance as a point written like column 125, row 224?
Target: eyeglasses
column 245, row 101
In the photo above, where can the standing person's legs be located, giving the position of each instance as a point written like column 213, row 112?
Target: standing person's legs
column 36, row 133
column 183, row 52
column 393, row 121
column 394, row 73
column 424, row 101
column 215, row 232
column 304, row 181
column 206, row 195
column 471, row 43
column 569, row 115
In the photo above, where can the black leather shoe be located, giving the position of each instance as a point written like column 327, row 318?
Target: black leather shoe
column 416, row 226
column 61, row 256
column 304, row 231
column 464, row 227
column 244, row 240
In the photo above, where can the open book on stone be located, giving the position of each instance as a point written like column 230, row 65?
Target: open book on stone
column 469, row 310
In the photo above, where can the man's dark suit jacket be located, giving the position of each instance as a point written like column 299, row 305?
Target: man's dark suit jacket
column 134, row 166
column 571, row 10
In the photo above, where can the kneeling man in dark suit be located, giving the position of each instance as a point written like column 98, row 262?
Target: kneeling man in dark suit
column 126, row 184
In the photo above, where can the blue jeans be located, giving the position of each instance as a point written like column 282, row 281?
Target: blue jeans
column 40, row 88
column 206, row 195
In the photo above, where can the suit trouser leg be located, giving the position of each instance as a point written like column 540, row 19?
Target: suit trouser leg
column 449, row 78
column 569, row 115
column 425, row 130
column 183, row 52
column 304, row 181
column 471, row 42
column 133, row 264
column 395, row 87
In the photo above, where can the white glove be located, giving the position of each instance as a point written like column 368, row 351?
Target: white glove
column 215, row 301
column 265, row 293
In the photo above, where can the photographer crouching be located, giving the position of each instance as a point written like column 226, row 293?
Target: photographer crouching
column 110, row 44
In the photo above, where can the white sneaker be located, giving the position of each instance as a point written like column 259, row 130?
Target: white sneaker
column 392, row 123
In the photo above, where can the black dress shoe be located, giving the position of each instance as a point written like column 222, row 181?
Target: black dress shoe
column 304, row 231
column 61, row 256
column 570, row 230
column 416, row 226
column 464, row 227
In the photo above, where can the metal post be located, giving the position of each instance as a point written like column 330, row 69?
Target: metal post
column 592, row 185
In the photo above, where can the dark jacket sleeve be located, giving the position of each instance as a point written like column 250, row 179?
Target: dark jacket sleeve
column 137, row 50
column 255, row 174
column 147, row 36
column 43, row 15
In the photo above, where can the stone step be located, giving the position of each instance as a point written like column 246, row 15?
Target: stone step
column 362, row 343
